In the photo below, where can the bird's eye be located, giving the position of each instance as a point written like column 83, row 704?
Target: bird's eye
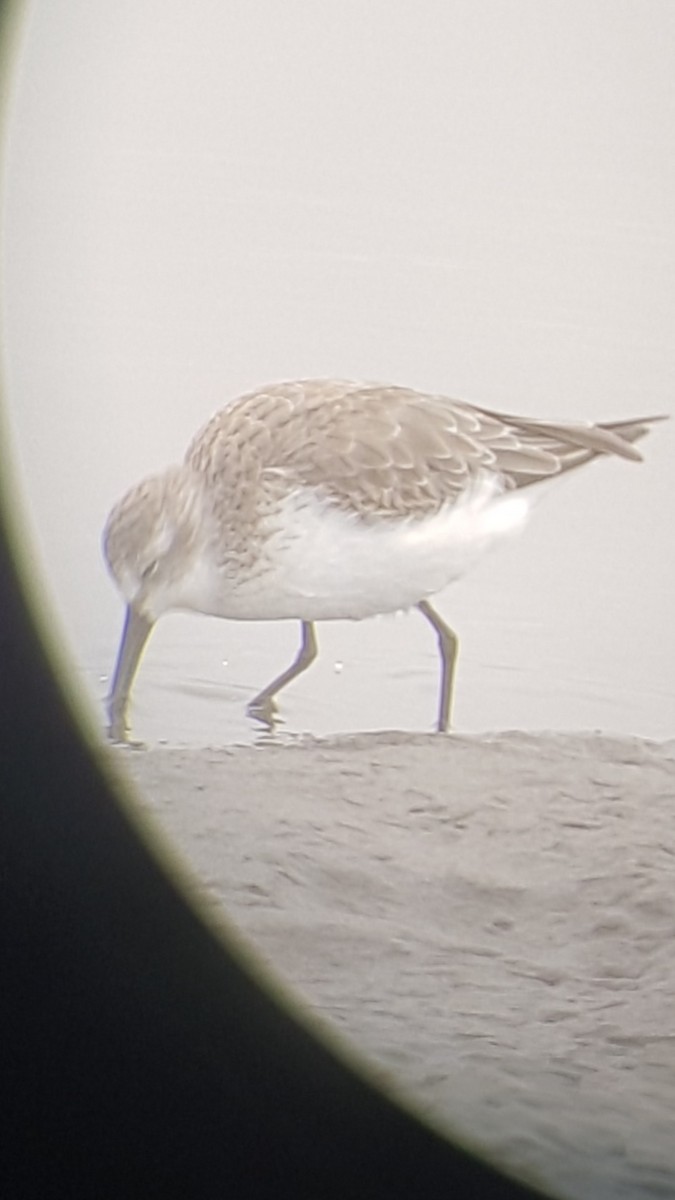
column 148, row 572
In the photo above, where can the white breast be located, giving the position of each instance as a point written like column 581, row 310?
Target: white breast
column 319, row 562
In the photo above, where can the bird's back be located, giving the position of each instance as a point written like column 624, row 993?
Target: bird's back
column 383, row 451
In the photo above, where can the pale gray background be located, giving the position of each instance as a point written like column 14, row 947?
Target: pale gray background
column 465, row 195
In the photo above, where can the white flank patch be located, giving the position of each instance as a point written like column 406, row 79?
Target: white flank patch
column 323, row 563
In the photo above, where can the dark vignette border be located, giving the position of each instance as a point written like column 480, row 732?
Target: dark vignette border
column 137, row 1056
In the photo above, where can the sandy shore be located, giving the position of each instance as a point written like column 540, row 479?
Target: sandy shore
column 491, row 920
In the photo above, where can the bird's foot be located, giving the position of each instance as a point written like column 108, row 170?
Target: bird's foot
column 263, row 709
column 119, row 734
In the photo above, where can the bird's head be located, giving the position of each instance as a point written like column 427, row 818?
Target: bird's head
column 149, row 541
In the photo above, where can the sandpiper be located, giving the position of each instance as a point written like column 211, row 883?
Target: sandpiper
column 324, row 499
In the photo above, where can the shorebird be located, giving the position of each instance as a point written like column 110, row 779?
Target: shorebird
column 326, row 499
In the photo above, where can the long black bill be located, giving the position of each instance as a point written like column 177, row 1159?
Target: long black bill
column 137, row 629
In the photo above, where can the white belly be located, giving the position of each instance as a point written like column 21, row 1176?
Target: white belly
column 320, row 563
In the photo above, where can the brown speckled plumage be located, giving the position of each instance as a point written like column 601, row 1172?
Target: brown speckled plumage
column 319, row 499
column 383, row 451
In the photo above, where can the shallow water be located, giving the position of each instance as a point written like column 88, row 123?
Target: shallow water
column 191, row 211
column 477, row 200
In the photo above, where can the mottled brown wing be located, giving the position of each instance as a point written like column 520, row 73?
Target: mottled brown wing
column 393, row 451
column 381, row 450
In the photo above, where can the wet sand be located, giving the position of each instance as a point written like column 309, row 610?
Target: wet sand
column 489, row 919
